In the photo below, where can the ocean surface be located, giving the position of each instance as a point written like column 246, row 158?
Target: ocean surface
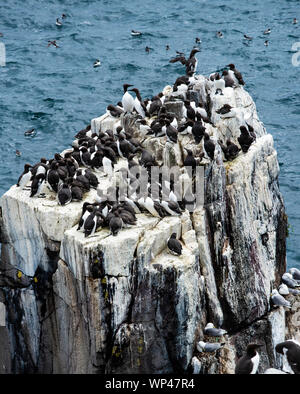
column 57, row 91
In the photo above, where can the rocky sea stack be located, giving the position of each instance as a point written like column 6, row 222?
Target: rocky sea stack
column 123, row 303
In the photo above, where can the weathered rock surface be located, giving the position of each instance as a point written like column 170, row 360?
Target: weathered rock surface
column 122, row 304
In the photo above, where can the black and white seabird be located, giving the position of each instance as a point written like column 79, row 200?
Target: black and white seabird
column 295, row 21
column 267, row 31
column 219, row 34
column 97, row 63
column 198, row 130
column 248, row 38
column 53, row 42
column 138, row 103
column 224, row 110
column 115, row 224
column 37, row 185
column 53, row 176
column 127, row 99
column 291, row 349
column 190, row 161
column 90, row 224
column 209, row 146
column 230, row 151
column 136, row 33
column 64, row 195
column 171, row 132
column 248, row 363
column 212, row 331
column 245, row 139
column 174, row 246
column 190, row 63
column 30, row 133
column 25, row 177
column 236, row 73
column 229, row 82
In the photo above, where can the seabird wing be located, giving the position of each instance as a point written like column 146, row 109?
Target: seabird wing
column 180, row 59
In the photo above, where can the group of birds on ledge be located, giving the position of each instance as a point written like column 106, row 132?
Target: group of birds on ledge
column 249, row 362
column 71, row 173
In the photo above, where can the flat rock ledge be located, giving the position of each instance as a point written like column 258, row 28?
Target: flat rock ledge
column 147, row 309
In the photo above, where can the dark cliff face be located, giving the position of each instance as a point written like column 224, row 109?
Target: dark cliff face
column 124, row 305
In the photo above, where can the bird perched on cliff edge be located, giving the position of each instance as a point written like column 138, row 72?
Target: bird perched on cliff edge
column 249, row 362
column 190, row 63
column 174, row 245
column 211, row 330
column 291, row 349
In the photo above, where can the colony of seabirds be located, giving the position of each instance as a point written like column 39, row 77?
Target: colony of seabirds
column 71, row 174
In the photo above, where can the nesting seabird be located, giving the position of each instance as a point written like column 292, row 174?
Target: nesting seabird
column 295, row 272
column 174, row 246
column 248, row 363
column 209, row 347
column 278, row 300
column 212, row 331
column 291, row 349
column 288, row 279
column 283, row 290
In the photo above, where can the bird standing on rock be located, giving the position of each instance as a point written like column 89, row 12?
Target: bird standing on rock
column 291, row 349
column 127, row 99
column 190, row 63
column 248, row 364
column 209, row 146
column 25, row 177
column 174, row 245
column 234, row 72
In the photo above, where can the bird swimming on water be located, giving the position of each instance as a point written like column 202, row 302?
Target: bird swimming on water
column 248, row 38
column 30, row 133
column 52, row 43
column 58, row 22
column 136, row 33
column 97, row 63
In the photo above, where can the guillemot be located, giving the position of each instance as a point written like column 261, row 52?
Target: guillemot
column 249, row 362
